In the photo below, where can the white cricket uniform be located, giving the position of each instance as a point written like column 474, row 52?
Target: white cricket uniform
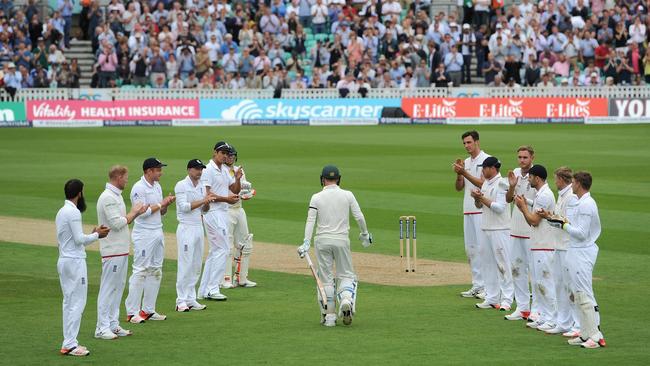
column 238, row 234
column 218, row 180
column 114, row 249
column 149, row 249
column 542, row 247
column 519, row 246
column 584, row 229
column 495, row 226
column 189, row 236
column 330, row 210
column 472, row 220
column 566, row 310
column 71, row 266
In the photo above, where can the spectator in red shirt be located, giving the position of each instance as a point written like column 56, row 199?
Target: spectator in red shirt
column 601, row 53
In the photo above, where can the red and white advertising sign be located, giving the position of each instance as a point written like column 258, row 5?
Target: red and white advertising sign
column 119, row 110
column 505, row 107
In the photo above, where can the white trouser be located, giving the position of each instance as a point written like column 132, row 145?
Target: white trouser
column 472, row 232
column 496, row 243
column 237, row 233
column 216, row 227
column 564, row 317
column 114, row 271
column 519, row 253
column 144, row 283
column 331, row 253
column 190, row 257
column 580, row 264
column 73, row 276
column 542, row 280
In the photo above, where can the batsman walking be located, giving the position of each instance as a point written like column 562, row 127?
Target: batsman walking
column 330, row 210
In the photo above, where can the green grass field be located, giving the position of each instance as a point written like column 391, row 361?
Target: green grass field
column 392, row 170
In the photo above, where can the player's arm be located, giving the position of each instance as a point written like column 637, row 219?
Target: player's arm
column 532, row 218
column 138, row 196
column 235, row 186
column 357, row 214
column 184, row 205
column 579, row 229
column 512, row 183
column 165, row 203
column 312, row 214
column 459, row 166
column 78, row 235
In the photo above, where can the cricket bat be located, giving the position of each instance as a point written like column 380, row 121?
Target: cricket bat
column 319, row 284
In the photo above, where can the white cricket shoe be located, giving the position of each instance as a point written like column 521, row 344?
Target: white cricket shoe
column 486, row 305
column 227, row 285
column 504, row 307
column 481, row 294
column 121, row 332
column 75, row 351
column 216, row 297
column 346, row 311
column 577, row 341
column 135, row 319
column 573, row 333
column 546, row 326
column 247, row 284
column 535, row 324
column 152, row 316
column 471, row 292
column 330, row 320
column 196, row 306
column 106, row 334
column 516, row 315
column 555, row 330
column 182, row 308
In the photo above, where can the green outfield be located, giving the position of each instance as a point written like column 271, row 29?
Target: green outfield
column 393, row 170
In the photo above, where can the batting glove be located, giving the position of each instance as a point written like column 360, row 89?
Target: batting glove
column 304, row 248
column 366, row 239
column 557, row 222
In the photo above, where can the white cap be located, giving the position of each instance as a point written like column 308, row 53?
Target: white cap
column 564, row 81
column 593, row 74
column 453, row 24
column 465, row 26
column 499, row 26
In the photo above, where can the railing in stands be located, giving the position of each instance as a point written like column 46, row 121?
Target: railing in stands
column 479, row 91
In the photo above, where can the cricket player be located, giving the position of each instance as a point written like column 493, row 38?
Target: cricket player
column 583, row 225
column 495, row 225
column 519, row 247
column 542, row 248
column 148, row 244
column 191, row 197
column 566, row 310
column 217, row 180
column 114, row 249
column 330, row 210
column 468, row 178
column 72, row 264
column 240, row 240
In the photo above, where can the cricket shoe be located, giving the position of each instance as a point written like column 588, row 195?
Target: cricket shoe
column 106, row 334
column 135, row 319
column 555, row 330
column 247, row 284
column 577, row 341
column 152, row 316
column 481, row 295
column 75, row 351
column 532, row 317
column 346, row 311
column 546, row 326
column 487, row 305
column 227, row 285
column 573, row 333
column 504, row 307
column 216, row 297
column 472, row 292
column 182, row 308
column 516, row 315
column 121, row 332
column 535, row 324
column 330, row 320
column 196, row 306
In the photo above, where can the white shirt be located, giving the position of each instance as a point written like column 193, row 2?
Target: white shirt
column 541, row 236
column 186, row 193
column 497, row 216
column 111, row 212
column 565, row 198
column 474, row 167
column 330, row 208
column 519, row 228
column 69, row 232
column 219, row 181
column 232, row 170
column 151, row 195
column 584, row 228
column 319, row 12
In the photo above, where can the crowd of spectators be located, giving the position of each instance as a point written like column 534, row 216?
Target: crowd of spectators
column 351, row 45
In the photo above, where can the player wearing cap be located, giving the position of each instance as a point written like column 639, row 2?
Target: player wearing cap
column 330, row 210
column 542, row 248
column 114, row 249
column 191, row 196
column 217, row 180
column 468, row 178
column 519, row 247
column 71, row 265
column 495, row 224
column 566, row 312
column 240, row 240
column 583, row 225
column 148, row 245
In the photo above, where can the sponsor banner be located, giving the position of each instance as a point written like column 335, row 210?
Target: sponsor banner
column 295, row 109
column 258, row 122
column 615, row 120
column 429, row 121
column 465, row 92
column 12, row 111
column 15, row 124
column 394, row 121
column 343, row 122
column 204, row 122
column 481, row 121
column 632, row 110
column 120, row 123
column 550, row 120
column 504, row 107
column 119, row 110
column 75, row 123
column 92, row 94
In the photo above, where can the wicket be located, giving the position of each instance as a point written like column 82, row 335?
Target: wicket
column 408, row 220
